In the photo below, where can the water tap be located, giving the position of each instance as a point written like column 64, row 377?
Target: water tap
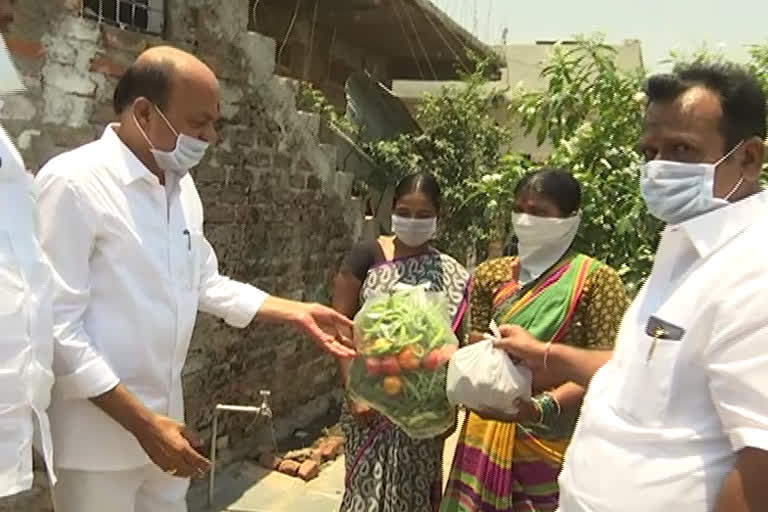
column 263, row 410
column 266, row 410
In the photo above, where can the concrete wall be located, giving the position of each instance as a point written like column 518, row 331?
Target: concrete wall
column 278, row 213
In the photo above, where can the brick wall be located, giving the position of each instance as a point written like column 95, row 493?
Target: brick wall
column 278, row 213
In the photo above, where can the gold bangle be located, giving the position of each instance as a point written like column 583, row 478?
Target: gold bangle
column 546, row 354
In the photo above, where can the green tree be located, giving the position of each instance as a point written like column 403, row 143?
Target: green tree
column 758, row 63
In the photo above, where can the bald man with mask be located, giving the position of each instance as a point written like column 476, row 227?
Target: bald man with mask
column 122, row 222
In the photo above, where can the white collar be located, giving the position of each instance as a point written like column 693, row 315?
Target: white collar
column 122, row 160
column 711, row 231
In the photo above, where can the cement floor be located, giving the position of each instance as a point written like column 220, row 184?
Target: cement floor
column 247, row 487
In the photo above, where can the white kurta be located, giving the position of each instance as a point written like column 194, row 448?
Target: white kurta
column 26, row 344
column 136, row 267
column 662, row 433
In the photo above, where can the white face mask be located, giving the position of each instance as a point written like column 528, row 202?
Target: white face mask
column 414, row 232
column 188, row 152
column 541, row 241
column 677, row 191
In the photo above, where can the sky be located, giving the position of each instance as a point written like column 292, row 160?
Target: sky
column 661, row 25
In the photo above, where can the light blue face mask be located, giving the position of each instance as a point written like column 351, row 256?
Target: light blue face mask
column 187, row 153
column 677, row 191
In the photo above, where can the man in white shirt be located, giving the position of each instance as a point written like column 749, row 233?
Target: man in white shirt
column 678, row 418
column 122, row 222
column 26, row 342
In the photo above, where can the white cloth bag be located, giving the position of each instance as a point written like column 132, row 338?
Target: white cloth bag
column 483, row 378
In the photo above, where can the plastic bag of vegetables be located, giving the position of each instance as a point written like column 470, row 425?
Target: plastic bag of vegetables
column 404, row 342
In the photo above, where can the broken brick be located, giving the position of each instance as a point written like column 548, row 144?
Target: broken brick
column 331, row 448
column 289, row 467
column 309, row 469
column 316, row 456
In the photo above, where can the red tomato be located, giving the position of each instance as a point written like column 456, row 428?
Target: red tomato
column 392, row 385
column 433, row 360
column 408, row 360
column 390, row 366
column 373, row 366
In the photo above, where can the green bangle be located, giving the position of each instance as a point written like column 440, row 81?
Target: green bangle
column 558, row 408
column 539, row 410
column 548, row 406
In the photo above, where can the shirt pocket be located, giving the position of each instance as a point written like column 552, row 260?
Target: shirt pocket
column 646, row 377
column 193, row 250
column 13, row 293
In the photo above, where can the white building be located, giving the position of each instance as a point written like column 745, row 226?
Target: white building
column 523, row 65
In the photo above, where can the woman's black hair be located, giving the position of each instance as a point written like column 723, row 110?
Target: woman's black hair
column 557, row 185
column 421, row 182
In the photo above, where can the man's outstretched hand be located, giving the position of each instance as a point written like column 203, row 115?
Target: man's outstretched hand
column 327, row 327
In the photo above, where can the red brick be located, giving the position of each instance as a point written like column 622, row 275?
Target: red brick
column 331, row 448
column 289, row 467
column 107, row 66
column 309, row 469
column 25, row 48
column 316, row 456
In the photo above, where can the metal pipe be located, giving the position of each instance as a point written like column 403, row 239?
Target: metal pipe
column 262, row 410
column 214, row 437
column 239, row 408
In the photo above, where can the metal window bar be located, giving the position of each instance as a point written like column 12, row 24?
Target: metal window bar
column 143, row 15
column 252, row 25
column 263, row 410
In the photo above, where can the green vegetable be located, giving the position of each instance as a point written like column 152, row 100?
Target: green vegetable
column 388, row 324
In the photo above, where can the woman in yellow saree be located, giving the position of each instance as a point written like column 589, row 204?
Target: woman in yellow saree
column 559, row 296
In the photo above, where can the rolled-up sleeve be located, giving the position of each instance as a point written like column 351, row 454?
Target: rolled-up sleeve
column 67, row 237
column 737, row 364
column 237, row 303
